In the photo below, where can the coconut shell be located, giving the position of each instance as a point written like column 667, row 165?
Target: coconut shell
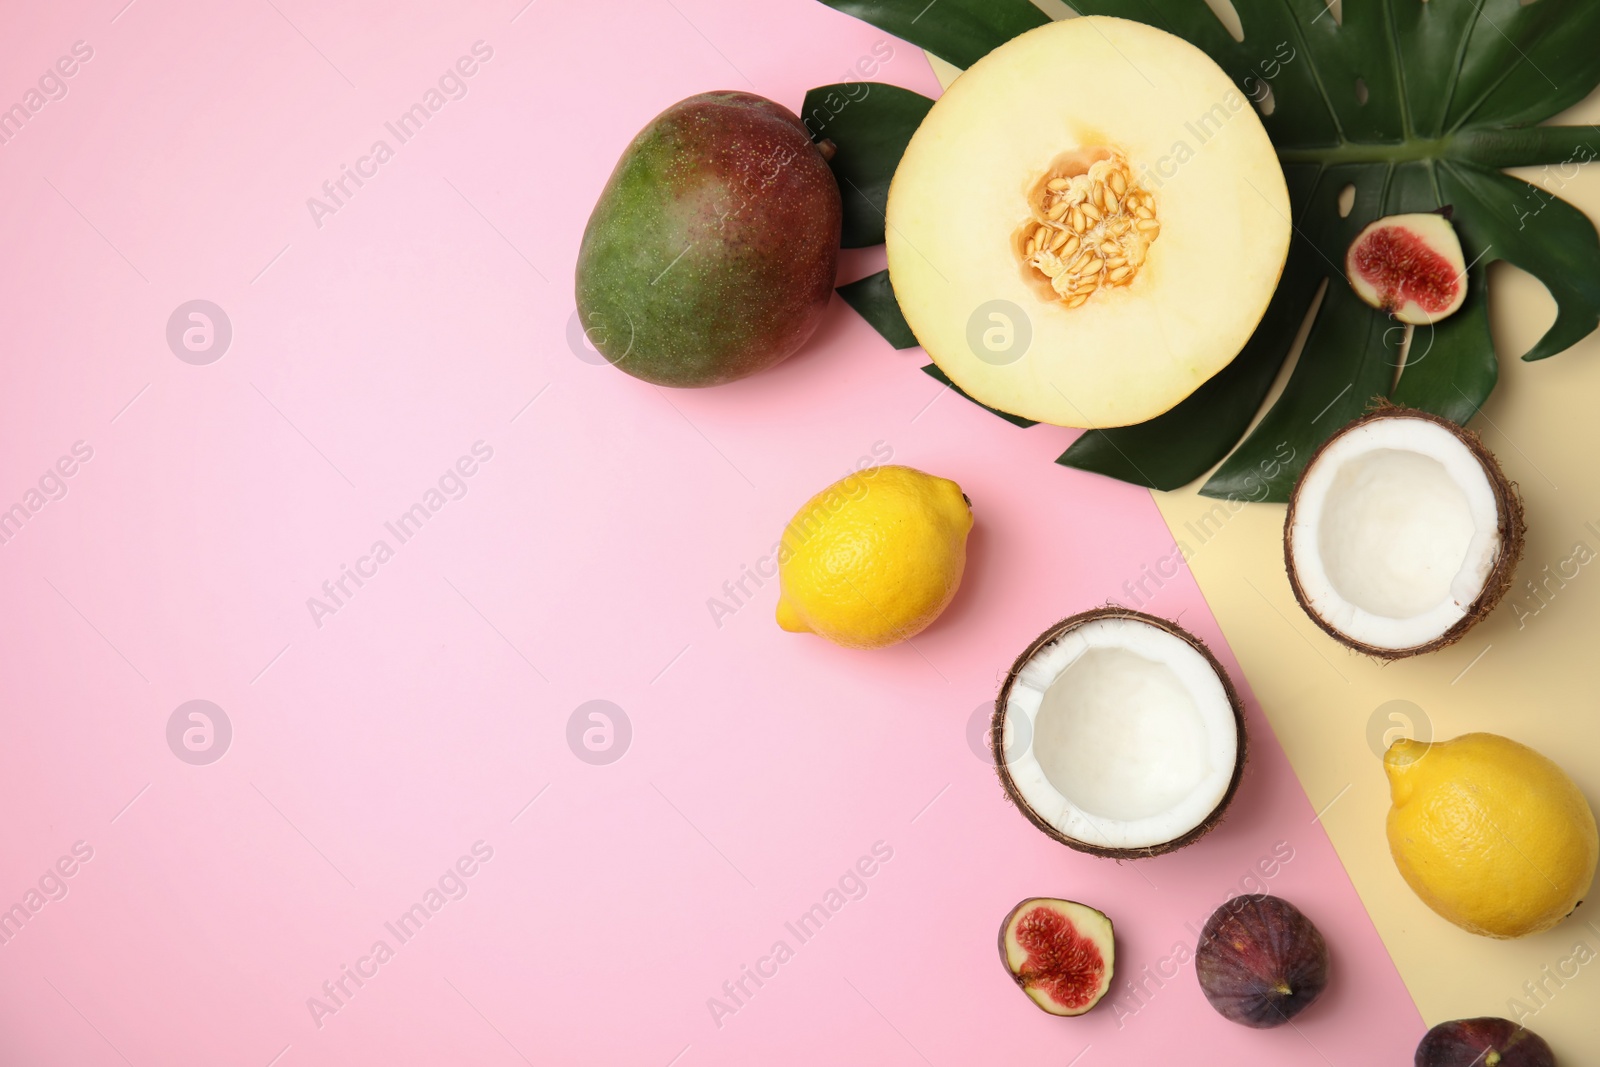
column 1512, row 530
column 998, row 721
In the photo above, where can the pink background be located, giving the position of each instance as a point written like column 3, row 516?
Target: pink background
column 371, row 752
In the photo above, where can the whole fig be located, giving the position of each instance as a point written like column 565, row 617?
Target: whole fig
column 1260, row 961
column 1483, row 1042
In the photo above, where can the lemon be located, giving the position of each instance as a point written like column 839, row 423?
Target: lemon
column 874, row 558
column 1489, row 833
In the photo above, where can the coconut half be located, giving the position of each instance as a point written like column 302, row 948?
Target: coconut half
column 1138, row 735
column 1402, row 533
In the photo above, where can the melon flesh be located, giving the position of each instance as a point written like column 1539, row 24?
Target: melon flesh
column 1048, row 104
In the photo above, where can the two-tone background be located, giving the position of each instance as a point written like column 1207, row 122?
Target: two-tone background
column 388, row 680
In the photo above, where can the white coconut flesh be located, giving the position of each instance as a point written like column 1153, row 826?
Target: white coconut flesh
column 1134, row 735
column 1396, row 531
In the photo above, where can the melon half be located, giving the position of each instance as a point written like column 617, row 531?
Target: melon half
column 1088, row 224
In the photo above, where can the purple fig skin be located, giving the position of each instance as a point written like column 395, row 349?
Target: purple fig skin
column 1260, row 961
column 1483, row 1042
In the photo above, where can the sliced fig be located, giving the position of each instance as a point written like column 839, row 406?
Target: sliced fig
column 1410, row 266
column 1260, row 961
column 1484, row 1042
column 1059, row 952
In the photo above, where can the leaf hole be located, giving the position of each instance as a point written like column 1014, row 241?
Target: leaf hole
column 1336, row 9
column 1361, row 91
column 1266, row 102
column 1402, row 357
column 1285, row 372
column 1228, row 16
column 1058, row 10
column 1536, row 306
column 1347, row 200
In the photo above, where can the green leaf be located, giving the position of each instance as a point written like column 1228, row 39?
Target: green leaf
column 1417, row 106
column 1211, row 421
column 870, row 124
column 1520, row 63
column 932, row 371
column 874, row 301
column 960, row 32
column 1549, row 238
column 1450, row 369
column 1351, row 354
column 1567, row 146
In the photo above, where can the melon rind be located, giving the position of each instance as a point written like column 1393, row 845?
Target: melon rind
column 1191, row 136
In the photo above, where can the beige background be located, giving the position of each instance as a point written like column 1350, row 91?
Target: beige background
column 1531, row 671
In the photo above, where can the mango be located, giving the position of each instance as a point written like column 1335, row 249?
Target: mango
column 712, row 251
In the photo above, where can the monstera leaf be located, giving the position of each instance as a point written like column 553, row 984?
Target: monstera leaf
column 1384, row 107
column 836, row 113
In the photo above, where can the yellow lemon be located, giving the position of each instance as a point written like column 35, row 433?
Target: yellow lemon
column 1489, row 833
column 874, row 558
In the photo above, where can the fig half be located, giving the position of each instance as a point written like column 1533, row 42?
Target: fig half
column 1059, row 952
column 1260, row 961
column 1410, row 266
column 1483, row 1042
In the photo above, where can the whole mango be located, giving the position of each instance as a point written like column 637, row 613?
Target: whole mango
column 712, row 250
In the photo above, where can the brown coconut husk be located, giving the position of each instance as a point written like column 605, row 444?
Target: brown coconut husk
column 1512, row 530
column 998, row 722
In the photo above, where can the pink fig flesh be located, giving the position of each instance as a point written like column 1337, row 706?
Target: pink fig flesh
column 1484, row 1042
column 1059, row 952
column 1410, row 266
